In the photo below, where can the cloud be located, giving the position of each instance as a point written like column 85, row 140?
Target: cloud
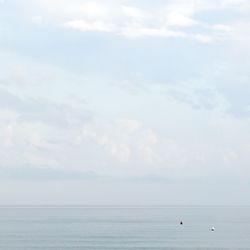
column 203, row 38
column 31, row 130
column 135, row 13
column 137, row 31
column 132, row 149
column 173, row 19
column 129, row 125
column 83, row 25
column 43, row 134
column 197, row 94
column 232, row 81
column 180, row 129
column 132, row 25
column 44, row 111
column 239, row 33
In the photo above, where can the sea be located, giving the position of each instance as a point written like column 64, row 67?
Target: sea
column 124, row 228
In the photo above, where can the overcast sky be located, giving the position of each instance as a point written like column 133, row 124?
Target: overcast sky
column 124, row 102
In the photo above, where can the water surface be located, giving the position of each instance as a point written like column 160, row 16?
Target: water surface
column 112, row 228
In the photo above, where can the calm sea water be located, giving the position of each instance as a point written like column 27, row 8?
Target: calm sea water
column 124, row 228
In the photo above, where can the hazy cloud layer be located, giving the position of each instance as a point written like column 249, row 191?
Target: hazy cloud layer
column 126, row 90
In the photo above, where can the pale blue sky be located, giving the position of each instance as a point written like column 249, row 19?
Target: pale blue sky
column 125, row 95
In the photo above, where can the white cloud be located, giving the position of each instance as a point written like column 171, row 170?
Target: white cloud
column 222, row 27
column 135, row 13
column 178, row 19
column 135, row 30
column 190, row 117
column 204, row 38
column 129, row 125
column 131, row 30
column 83, row 25
column 93, row 10
column 241, row 4
column 239, row 33
column 172, row 19
column 178, row 14
column 126, row 147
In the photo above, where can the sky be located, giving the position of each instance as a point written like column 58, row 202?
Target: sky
column 122, row 102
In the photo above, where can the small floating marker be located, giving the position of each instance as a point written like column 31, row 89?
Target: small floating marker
column 212, row 228
column 181, row 223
